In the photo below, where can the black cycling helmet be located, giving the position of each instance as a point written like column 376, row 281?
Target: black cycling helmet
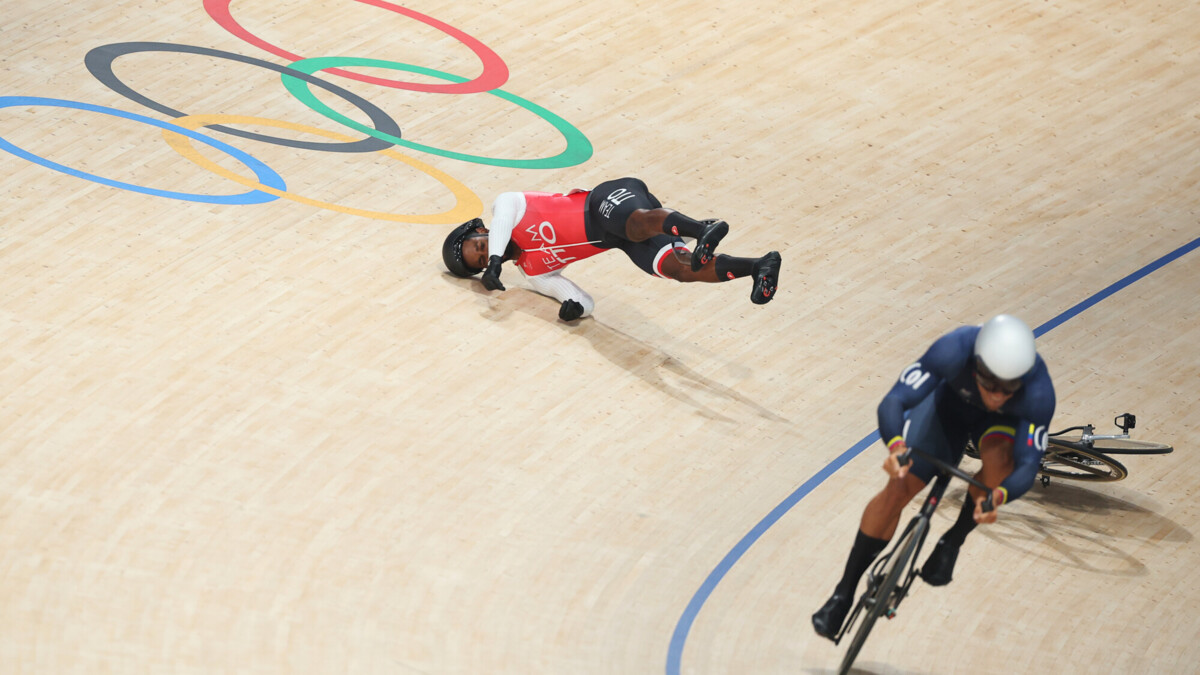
column 452, row 253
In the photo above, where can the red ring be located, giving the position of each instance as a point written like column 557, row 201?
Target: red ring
column 495, row 71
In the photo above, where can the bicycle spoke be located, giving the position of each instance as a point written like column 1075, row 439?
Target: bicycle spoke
column 1080, row 464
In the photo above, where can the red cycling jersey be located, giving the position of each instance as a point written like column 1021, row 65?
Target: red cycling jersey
column 551, row 234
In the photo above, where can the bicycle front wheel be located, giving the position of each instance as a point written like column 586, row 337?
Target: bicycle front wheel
column 1062, row 461
column 905, row 549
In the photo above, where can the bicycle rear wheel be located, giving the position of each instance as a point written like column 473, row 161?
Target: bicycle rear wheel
column 1122, row 446
column 905, row 549
column 1063, row 461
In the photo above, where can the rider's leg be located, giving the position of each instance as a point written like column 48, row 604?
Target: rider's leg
column 765, row 271
column 645, row 223
column 995, row 451
column 996, row 454
column 678, row 266
column 882, row 514
column 625, row 208
column 879, row 521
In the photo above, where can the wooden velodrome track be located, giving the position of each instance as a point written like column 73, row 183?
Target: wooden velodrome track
column 278, row 437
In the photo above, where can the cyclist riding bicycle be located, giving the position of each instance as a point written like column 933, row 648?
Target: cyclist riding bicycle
column 984, row 384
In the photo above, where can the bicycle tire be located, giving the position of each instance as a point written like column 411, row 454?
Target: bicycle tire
column 904, row 552
column 1073, row 463
column 1121, row 446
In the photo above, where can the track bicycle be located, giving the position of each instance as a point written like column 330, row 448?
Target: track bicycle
column 1075, row 453
column 891, row 576
column 1078, row 453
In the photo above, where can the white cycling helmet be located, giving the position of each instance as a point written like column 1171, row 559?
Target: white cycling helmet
column 1005, row 347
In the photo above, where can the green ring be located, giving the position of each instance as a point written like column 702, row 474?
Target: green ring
column 579, row 148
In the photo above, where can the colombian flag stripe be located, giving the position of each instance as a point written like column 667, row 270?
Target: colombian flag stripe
column 1002, row 431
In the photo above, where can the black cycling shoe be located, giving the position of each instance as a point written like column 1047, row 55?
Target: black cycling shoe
column 939, row 566
column 766, row 278
column 714, row 232
column 828, row 620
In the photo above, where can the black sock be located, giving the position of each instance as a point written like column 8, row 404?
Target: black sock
column 729, row 267
column 962, row 527
column 681, row 226
column 865, row 550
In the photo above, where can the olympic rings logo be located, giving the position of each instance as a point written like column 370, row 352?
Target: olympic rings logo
column 298, row 78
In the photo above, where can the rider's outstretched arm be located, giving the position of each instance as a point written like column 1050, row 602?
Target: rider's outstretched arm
column 555, row 285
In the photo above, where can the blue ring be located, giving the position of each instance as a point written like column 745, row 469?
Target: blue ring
column 266, row 175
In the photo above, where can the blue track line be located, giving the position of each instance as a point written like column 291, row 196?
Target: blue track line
column 684, row 626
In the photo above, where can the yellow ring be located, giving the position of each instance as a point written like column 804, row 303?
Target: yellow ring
column 467, row 206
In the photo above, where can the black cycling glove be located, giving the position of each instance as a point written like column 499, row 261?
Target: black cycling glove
column 491, row 276
column 570, row 310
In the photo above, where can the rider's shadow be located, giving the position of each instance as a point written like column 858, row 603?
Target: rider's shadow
column 1076, row 526
column 648, row 362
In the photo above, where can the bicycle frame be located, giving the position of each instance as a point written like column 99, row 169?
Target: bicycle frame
column 890, row 577
column 1089, row 456
column 1124, row 421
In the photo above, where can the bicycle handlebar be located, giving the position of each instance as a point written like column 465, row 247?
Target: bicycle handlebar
column 945, row 467
column 1124, row 421
column 1087, row 428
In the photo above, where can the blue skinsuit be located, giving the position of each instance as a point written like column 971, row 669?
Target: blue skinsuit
column 945, row 410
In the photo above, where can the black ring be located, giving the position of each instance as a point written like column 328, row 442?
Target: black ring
column 99, row 63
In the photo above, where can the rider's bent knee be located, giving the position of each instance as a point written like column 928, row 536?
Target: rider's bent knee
column 675, row 270
column 996, row 455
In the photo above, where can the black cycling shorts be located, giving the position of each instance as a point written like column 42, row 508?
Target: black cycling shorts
column 942, row 424
column 609, row 205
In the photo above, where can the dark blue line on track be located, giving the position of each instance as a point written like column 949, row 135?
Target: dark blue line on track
column 1077, row 309
column 679, row 637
